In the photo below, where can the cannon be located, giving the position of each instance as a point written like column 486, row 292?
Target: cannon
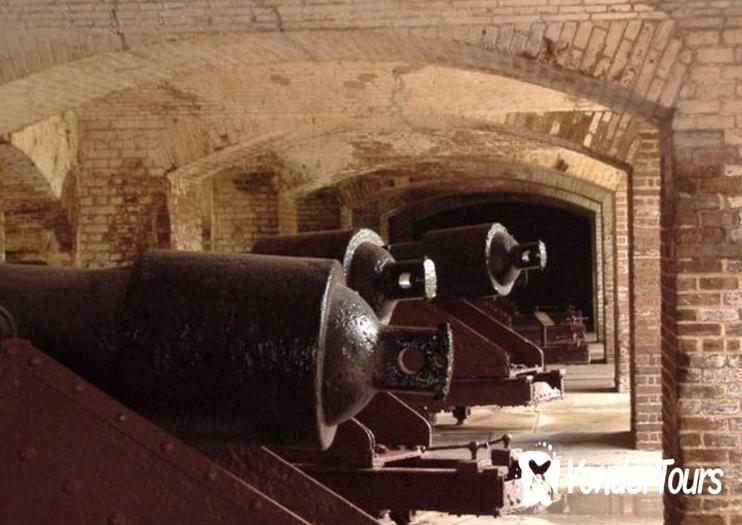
column 379, row 278
column 493, row 363
column 559, row 332
column 381, row 459
column 474, row 261
column 262, row 349
column 426, row 269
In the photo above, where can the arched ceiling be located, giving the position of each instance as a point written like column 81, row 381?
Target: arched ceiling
column 63, row 87
column 308, row 163
column 407, row 182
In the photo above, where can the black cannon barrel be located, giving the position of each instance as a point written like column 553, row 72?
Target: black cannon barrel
column 223, row 346
column 379, row 278
column 474, row 261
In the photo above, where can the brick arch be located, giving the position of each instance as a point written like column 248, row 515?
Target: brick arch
column 440, row 200
column 295, row 155
column 383, row 180
column 201, row 114
column 36, row 227
column 478, row 175
column 383, row 204
column 398, row 224
column 648, row 87
column 112, row 25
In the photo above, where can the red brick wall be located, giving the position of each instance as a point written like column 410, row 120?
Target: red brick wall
column 245, row 207
column 121, row 190
column 609, row 279
column 621, row 303
column 190, row 230
column 318, row 211
column 367, row 217
column 645, row 293
column 702, row 249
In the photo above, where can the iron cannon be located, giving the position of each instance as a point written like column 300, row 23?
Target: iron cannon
column 369, row 269
column 222, row 346
column 474, row 261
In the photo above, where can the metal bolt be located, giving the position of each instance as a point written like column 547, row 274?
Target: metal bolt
column 211, row 474
column 34, row 361
column 79, row 387
column 117, row 519
column 28, row 454
column 257, row 505
column 120, row 417
column 11, row 351
column 71, row 486
column 168, row 447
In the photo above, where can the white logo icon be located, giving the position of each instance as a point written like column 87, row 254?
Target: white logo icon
column 539, row 476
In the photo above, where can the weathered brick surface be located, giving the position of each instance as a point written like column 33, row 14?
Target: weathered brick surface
column 701, row 253
column 121, row 190
column 36, row 227
column 190, row 208
column 367, row 217
column 392, row 188
column 2, row 233
column 621, row 300
column 194, row 88
column 646, row 293
column 318, row 211
column 245, row 207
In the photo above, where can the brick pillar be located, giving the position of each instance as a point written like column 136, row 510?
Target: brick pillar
column 123, row 190
column 346, row 217
column 318, row 211
column 367, row 217
column 287, row 214
column 646, row 388
column 622, row 305
column 2, row 214
column 185, row 202
column 701, row 329
column 609, row 278
column 2, row 232
column 598, row 312
column 245, row 207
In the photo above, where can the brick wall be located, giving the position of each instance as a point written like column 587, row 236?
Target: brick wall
column 609, row 280
column 598, row 279
column 287, row 214
column 36, row 225
column 701, row 263
column 367, row 217
column 318, row 211
column 634, row 57
column 121, row 189
column 245, row 207
column 621, row 304
column 189, row 228
column 645, row 293
column 2, row 230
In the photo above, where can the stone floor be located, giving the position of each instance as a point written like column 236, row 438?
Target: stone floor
column 592, row 422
